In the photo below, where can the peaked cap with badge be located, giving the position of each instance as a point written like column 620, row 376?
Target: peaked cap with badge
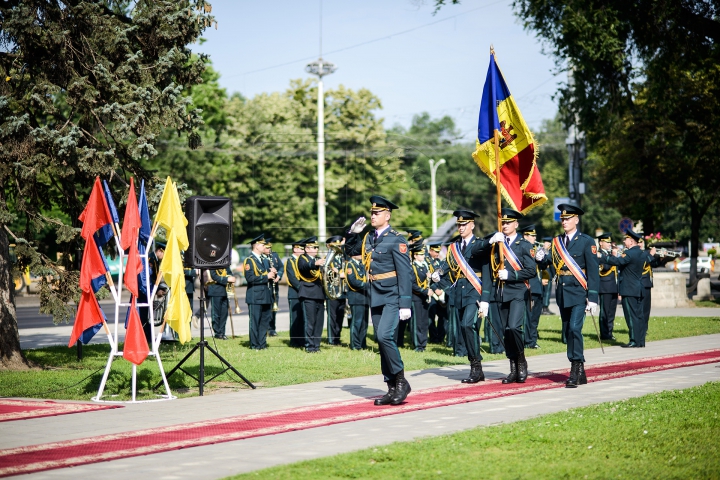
column 380, row 204
column 464, row 216
column 510, row 215
column 568, row 211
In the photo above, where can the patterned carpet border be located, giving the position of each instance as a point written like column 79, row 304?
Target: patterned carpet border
column 11, row 410
column 62, row 454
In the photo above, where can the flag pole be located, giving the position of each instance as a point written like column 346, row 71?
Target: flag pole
column 499, row 194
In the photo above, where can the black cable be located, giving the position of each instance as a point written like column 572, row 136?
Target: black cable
column 60, row 389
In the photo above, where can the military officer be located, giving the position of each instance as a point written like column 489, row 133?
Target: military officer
column 574, row 257
column 357, row 283
column 630, row 265
column 651, row 262
column 536, row 290
column 260, row 276
column 385, row 256
column 217, row 293
column 422, row 294
column 438, row 309
column 312, row 294
column 274, row 260
column 336, row 307
column 548, row 274
column 608, row 289
column 510, row 282
column 297, row 324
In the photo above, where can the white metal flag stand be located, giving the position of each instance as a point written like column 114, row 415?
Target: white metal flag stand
column 113, row 338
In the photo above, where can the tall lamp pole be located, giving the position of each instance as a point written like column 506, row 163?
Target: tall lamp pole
column 433, row 191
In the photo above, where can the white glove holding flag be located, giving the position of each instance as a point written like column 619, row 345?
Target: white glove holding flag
column 540, row 254
column 405, row 314
column 503, row 274
column 498, row 237
column 435, row 277
column 484, row 308
column 358, row 226
column 591, row 307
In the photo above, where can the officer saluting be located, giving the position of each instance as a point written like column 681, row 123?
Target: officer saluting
column 385, row 256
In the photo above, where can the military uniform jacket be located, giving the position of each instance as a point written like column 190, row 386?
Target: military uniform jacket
column 516, row 286
column 477, row 255
column 277, row 264
column 291, row 267
column 536, row 287
column 420, row 280
column 387, row 254
column 630, row 266
column 190, row 276
column 258, row 285
column 310, row 278
column 357, row 283
column 583, row 250
column 608, row 276
column 650, row 262
column 217, row 285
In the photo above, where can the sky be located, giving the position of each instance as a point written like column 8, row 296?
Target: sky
column 413, row 61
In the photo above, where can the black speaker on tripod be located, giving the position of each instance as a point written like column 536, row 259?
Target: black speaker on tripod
column 209, row 232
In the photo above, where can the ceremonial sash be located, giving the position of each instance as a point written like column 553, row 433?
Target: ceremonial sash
column 510, row 256
column 571, row 264
column 465, row 268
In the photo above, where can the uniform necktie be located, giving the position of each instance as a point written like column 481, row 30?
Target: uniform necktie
column 462, row 247
column 507, row 241
column 567, row 240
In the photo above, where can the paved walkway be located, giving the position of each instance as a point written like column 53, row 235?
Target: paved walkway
column 214, row 461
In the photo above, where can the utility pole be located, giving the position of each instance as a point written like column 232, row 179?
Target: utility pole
column 433, row 191
column 575, row 143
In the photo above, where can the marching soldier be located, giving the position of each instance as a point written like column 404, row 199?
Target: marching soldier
column 509, row 281
column 357, row 283
column 574, row 257
column 548, row 275
column 260, row 276
column 274, row 260
column 608, row 289
column 422, row 294
column 385, row 256
column 312, row 294
column 438, row 311
column 536, row 290
column 336, row 307
column 297, row 324
column 446, row 285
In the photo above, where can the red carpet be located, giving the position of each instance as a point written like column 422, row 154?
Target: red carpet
column 22, row 409
column 142, row 442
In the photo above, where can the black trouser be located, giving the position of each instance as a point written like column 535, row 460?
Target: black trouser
column 436, row 326
column 297, row 325
column 358, row 326
column 219, row 306
column 647, row 303
column 336, row 314
column 608, row 307
column 259, row 323
column 385, row 320
column 512, row 314
column 494, row 320
column 313, row 315
column 400, row 332
column 533, row 319
column 470, row 330
column 573, row 319
column 419, row 321
column 635, row 319
column 273, row 312
column 547, row 290
column 454, row 326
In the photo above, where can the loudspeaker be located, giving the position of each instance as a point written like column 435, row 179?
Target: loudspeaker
column 209, row 232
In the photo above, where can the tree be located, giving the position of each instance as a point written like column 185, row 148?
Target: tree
column 88, row 88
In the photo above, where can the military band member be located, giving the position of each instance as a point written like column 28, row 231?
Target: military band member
column 336, row 307
column 274, row 260
column 385, row 256
column 422, row 294
column 630, row 269
column 647, row 279
column 536, row 290
column 608, row 290
column 574, row 256
column 312, row 294
column 438, row 309
column 509, row 281
column 548, row 275
column 297, row 325
column 259, row 275
column 357, row 295
column 217, row 293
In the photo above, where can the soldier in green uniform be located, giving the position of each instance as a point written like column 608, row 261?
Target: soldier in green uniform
column 274, row 260
column 534, row 307
column 297, row 324
column 651, row 261
column 608, row 290
column 548, row 275
column 422, row 294
column 259, row 275
column 217, row 293
column 437, row 312
column 357, row 283
column 336, row 306
column 312, row 294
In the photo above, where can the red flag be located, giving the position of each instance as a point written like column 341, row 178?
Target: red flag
column 92, row 265
column 88, row 315
column 133, row 269
column 136, row 348
column 131, row 222
column 96, row 213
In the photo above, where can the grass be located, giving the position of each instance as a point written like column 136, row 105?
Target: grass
column 673, row 434
column 62, row 376
column 708, row 303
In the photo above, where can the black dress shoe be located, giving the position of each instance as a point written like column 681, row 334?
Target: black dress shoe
column 272, row 333
column 521, row 368
column 629, row 345
column 513, row 377
column 402, row 389
column 572, row 381
column 476, row 373
column 385, row 399
column 221, row 337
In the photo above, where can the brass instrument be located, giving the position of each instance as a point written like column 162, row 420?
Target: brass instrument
column 664, row 252
column 332, row 278
column 230, row 289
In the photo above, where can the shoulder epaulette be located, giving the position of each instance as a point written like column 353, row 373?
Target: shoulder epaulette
column 394, row 232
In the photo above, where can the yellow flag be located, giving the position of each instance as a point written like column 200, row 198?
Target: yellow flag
column 179, row 313
column 172, row 265
column 170, row 214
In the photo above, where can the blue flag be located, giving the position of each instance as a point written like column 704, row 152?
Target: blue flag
column 144, row 237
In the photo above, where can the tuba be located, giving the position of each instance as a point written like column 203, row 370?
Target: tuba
column 333, row 282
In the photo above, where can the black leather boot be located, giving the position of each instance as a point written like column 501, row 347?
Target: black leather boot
column 513, row 377
column 572, row 381
column 476, row 373
column 402, row 389
column 521, row 368
column 385, row 399
column 582, row 378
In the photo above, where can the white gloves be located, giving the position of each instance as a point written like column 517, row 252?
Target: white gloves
column 405, row 313
column 484, row 308
column 358, row 226
column 503, row 274
column 591, row 307
column 540, row 254
column 435, row 277
column 498, row 237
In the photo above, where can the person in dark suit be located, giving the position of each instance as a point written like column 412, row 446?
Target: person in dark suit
column 312, row 294
column 336, row 306
column 217, row 293
column 437, row 313
column 608, row 291
column 574, row 257
column 630, row 265
column 510, row 282
column 535, row 303
column 297, row 323
column 385, row 256
column 548, row 275
column 357, row 283
column 274, row 260
column 422, row 294
column 259, row 275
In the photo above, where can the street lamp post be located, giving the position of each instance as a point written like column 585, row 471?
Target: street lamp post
column 433, row 191
column 321, row 68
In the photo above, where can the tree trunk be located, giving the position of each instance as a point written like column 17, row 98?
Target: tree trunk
column 11, row 357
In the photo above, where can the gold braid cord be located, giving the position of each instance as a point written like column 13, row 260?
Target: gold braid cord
column 316, row 275
column 495, row 261
column 362, row 278
column 366, row 256
column 608, row 272
column 455, row 271
column 422, row 284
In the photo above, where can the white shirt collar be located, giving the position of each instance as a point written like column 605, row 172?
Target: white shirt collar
column 570, row 236
column 380, row 232
column 512, row 239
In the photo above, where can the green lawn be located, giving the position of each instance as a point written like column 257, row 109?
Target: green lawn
column 62, row 376
column 672, row 434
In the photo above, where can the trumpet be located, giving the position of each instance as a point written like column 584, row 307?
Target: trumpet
column 664, row 252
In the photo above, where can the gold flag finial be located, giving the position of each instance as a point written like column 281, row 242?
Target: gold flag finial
column 492, row 49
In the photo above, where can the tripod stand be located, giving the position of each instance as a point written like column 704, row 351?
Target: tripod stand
column 202, row 345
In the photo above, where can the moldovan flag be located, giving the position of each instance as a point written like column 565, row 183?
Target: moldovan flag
column 135, row 349
column 92, row 269
column 520, row 180
column 170, row 214
column 130, row 229
column 89, row 319
column 96, row 213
